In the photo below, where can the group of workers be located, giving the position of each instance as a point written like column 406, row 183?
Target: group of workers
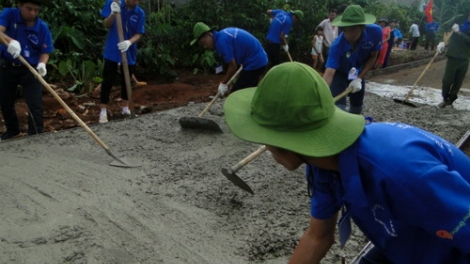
column 406, row 189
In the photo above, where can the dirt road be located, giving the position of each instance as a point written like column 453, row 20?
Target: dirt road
column 61, row 201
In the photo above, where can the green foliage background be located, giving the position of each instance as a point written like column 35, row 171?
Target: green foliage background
column 79, row 35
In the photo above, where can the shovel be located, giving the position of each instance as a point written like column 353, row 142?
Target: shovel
column 202, row 123
column 125, row 66
column 231, row 172
column 120, row 162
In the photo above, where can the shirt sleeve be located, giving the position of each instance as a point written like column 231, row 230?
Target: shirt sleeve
column 325, row 188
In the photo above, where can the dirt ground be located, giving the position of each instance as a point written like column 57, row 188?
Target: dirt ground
column 63, row 201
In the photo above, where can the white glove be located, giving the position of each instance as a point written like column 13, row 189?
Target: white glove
column 456, row 28
column 440, row 47
column 14, row 48
column 356, row 84
column 115, row 8
column 42, row 69
column 223, row 89
column 286, row 48
column 124, row 46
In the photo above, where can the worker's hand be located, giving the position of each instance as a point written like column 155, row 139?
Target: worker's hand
column 42, row 69
column 440, row 47
column 124, row 46
column 115, row 8
column 356, row 84
column 286, row 48
column 14, row 48
column 223, row 89
column 456, row 28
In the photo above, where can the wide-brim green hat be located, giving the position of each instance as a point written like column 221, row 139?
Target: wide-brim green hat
column 292, row 108
column 299, row 14
column 198, row 30
column 353, row 15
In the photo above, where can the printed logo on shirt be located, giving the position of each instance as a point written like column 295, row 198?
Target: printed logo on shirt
column 134, row 18
column 450, row 235
column 34, row 39
column 382, row 217
column 368, row 45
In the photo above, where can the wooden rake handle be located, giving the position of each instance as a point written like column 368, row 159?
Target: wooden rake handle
column 203, row 112
column 248, row 159
column 125, row 64
column 57, row 97
column 421, row 76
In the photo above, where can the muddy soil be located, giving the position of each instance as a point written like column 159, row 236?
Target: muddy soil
column 62, row 201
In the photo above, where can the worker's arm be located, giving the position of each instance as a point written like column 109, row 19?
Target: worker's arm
column 315, row 242
column 369, row 64
column 231, row 69
column 328, row 75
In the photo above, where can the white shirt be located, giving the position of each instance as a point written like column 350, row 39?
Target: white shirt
column 414, row 30
column 330, row 32
column 318, row 41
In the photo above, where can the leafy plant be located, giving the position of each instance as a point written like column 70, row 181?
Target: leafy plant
column 84, row 74
column 205, row 60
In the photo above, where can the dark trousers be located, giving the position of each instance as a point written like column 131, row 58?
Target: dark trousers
column 454, row 74
column 339, row 83
column 248, row 79
column 430, row 41
column 10, row 78
column 110, row 70
column 273, row 51
column 414, row 43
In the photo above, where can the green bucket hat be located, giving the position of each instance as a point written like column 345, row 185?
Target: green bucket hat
column 292, row 108
column 198, row 30
column 353, row 15
column 299, row 14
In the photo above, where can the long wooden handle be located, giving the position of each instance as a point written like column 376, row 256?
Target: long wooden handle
column 57, row 97
column 125, row 65
column 421, row 76
column 203, row 112
column 248, row 159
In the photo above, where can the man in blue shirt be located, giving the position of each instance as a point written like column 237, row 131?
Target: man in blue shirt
column 431, row 30
column 31, row 38
column 352, row 55
column 279, row 29
column 237, row 48
column 133, row 21
column 406, row 189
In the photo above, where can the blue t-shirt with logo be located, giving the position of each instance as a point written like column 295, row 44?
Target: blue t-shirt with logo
column 432, row 27
column 34, row 41
column 133, row 22
column 238, row 44
column 406, row 189
column 342, row 56
column 281, row 23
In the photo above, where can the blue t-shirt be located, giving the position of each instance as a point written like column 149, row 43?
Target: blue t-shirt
column 465, row 26
column 238, row 44
column 34, row 41
column 133, row 22
column 280, row 24
column 398, row 33
column 342, row 56
column 432, row 27
column 406, row 189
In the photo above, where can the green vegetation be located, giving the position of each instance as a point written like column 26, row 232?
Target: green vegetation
column 79, row 35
